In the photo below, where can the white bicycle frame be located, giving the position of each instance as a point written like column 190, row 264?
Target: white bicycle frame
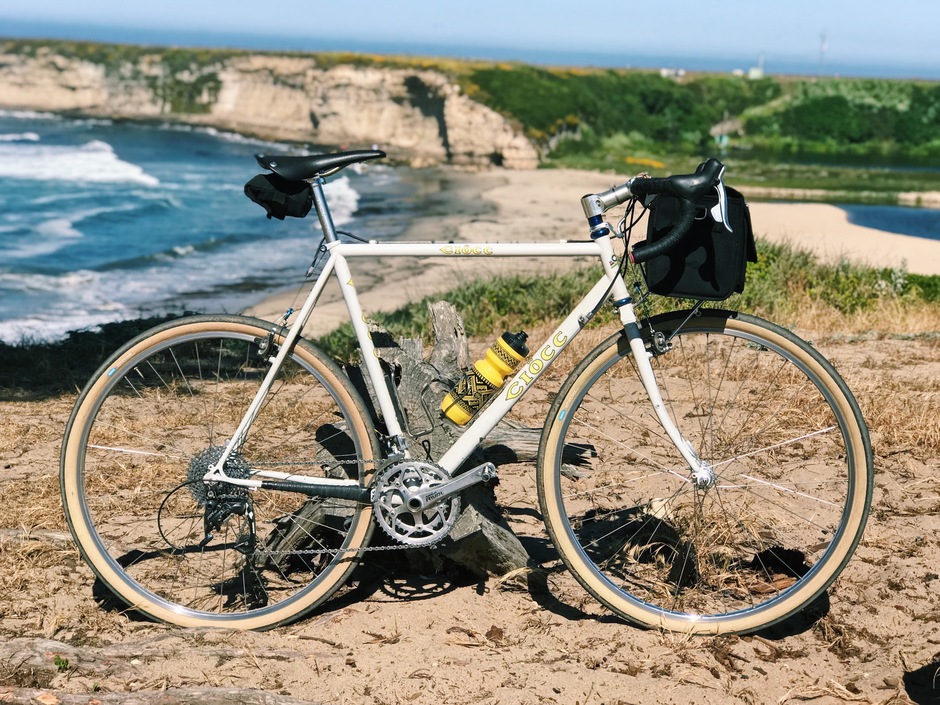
column 610, row 283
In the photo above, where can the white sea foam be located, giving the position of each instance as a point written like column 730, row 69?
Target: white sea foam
column 232, row 137
column 20, row 137
column 57, row 228
column 343, row 200
column 193, row 279
column 28, row 115
column 50, row 235
column 94, row 161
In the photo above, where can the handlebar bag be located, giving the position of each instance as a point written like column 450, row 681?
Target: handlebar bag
column 709, row 262
column 280, row 197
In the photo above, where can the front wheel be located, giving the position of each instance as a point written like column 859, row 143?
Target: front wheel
column 147, row 428
column 759, row 535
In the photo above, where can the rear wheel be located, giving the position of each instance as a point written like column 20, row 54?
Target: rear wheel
column 759, row 535
column 146, row 429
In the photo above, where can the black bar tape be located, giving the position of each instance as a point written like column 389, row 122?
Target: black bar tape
column 645, row 251
column 650, row 186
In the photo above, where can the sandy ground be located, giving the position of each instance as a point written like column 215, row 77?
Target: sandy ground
column 403, row 637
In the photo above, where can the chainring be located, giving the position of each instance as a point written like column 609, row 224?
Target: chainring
column 394, row 486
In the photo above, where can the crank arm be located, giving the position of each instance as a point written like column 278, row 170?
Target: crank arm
column 422, row 499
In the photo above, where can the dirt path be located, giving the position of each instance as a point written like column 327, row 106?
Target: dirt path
column 401, row 637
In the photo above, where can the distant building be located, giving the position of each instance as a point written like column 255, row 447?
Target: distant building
column 672, row 73
column 756, row 72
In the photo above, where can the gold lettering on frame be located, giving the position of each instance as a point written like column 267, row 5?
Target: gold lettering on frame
column 467, row 250
column 539, row 362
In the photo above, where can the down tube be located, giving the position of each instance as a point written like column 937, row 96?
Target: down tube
column 515, row 389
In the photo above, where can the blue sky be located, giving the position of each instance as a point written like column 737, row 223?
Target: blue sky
column 901, row 33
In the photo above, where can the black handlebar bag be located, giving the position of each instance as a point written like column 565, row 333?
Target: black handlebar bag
column 279, row 197
column 709, row 262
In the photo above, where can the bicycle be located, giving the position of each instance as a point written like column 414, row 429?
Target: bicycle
column 701, row 471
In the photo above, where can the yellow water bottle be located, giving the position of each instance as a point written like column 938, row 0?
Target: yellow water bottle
column 484, row 377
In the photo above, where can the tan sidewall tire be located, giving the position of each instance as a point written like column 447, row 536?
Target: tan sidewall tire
column 104, row 566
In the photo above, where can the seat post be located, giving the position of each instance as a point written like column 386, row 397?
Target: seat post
column 323, row 211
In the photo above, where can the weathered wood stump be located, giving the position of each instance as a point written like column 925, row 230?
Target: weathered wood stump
column 481, row 540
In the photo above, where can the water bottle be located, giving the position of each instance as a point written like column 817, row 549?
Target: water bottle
column 484, row 377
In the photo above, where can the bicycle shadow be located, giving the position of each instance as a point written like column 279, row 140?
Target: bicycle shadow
column 424, row 574
column 923, row 684
column 547, row 597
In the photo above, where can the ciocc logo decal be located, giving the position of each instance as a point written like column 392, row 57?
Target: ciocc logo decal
column 538, row 363
column 467, row 250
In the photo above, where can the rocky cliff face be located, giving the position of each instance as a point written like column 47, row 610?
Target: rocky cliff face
column 416, row 115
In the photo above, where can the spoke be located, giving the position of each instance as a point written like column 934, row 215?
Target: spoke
column 612, row 487
column 781, row 488
column 616, row 441
column 774, row 446
column 131, row 451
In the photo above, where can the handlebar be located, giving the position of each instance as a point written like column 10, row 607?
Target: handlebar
column 688, row 188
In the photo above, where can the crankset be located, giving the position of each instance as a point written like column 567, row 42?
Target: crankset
column 417, row 503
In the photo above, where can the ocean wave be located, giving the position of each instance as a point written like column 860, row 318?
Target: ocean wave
column 28, row 115
column 20, row 137
column 94, row 162
column 76, row 282
column 57, row 228
column 232, row 137
column 55, row 325
column 45, row 233
column 45, row 238
column 343, row 200
column 70, row 260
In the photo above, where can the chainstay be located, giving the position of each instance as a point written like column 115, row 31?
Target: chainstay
column 364, row 549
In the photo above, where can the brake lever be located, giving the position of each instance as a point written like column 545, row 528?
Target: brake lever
column 719, row 211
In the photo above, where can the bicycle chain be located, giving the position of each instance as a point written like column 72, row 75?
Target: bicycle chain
column 364, row 549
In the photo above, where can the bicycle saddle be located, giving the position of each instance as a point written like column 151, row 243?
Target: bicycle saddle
column 315, row 165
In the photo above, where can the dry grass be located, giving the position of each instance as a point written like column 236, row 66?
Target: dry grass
column 883, row 317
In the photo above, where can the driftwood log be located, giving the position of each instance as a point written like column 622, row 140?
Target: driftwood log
column 481, row 540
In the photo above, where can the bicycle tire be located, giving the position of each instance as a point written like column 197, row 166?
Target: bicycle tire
column 790, row 488
column 145, row 429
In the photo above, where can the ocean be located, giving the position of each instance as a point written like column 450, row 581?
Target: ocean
column 103, row 221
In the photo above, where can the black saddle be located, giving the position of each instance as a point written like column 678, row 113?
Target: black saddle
column 315, row 165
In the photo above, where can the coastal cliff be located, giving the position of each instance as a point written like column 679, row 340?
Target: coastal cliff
column 417, row 115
